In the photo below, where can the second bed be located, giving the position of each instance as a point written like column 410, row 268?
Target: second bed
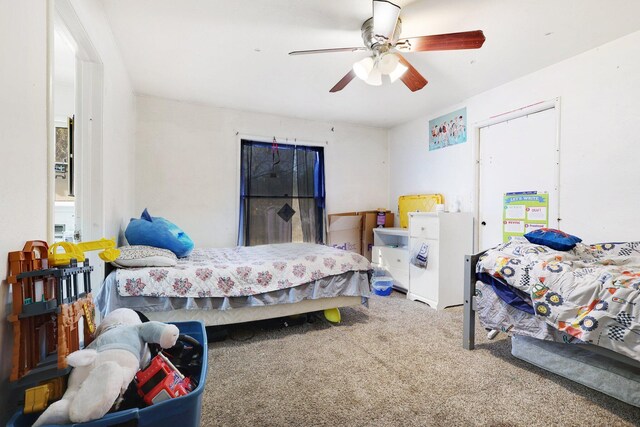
column 574, row 313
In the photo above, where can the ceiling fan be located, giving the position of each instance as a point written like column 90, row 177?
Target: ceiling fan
column 381, row 36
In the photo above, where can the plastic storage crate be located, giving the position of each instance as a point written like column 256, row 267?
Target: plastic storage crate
column 417, row 203
column 182, row 411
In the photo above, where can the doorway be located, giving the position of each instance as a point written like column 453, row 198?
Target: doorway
column 64, row 100
column 76, row 211
column 519, row 153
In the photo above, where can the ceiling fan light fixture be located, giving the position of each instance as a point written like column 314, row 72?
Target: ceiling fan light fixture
column 363, row 68
column 398, row 72
column 388, row 63
column 381, row 35
column 375, row 77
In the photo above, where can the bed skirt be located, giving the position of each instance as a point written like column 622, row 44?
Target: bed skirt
column 251, row 314
column 351, row 284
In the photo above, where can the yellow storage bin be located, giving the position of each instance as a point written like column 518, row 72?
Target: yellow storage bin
column 417, row 203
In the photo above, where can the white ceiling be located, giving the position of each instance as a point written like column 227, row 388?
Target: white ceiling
column 234, row 53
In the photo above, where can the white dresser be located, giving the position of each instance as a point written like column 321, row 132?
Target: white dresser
column 390, row 252
column 449, row 237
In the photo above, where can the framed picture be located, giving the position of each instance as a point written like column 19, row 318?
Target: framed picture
column 63, row 165
column 62, row 144
column 450, row 129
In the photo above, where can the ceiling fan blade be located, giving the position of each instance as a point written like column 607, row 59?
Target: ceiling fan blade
column 343, row 81
column 411, row 78
column 452, row 41
column 385, row 18
column 337, row 49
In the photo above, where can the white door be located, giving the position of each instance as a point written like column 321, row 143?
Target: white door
column 520, row 154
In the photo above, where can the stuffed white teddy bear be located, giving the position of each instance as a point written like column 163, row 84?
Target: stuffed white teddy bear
column 104, row 370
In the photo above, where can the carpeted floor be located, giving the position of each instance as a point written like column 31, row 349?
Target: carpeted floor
column 397, row 363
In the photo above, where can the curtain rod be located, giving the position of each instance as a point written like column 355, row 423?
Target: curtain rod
column 279, row 139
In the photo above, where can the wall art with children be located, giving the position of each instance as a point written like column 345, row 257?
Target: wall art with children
column 450, row 129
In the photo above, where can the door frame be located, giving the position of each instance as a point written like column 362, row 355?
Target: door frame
column 88, row 121
column 500, row 118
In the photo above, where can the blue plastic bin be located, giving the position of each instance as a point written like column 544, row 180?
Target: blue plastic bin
column 382, row 286
column 182, row 411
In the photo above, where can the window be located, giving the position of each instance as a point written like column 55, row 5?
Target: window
column 282, row 195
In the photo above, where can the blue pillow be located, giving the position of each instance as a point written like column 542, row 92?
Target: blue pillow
column 158, row 232
column 555, row 239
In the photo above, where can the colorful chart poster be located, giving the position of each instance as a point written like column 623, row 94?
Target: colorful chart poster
column 450, row 129
column 524, row 212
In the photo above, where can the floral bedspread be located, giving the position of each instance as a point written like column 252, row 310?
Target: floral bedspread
column 591, row 292
column 240, row 271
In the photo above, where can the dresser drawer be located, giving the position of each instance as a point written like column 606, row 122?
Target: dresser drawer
column 390, row 258
column 425, row 227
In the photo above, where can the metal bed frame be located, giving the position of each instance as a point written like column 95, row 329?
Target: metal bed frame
column 469, row 325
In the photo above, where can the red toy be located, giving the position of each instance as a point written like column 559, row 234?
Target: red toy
column 161, row 381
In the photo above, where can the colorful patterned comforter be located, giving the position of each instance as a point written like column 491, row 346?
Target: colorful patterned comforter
column 591, row 292
column 240, row 271
column 493, row 313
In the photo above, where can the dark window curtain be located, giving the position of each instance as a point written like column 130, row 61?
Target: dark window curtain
column 281, row 194
column 310, row 177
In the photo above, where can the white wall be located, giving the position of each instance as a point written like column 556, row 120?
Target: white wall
column 600, row 147
column 63, row 101
column 188, row 163
column 64, row 65
column 23, row 136
column 23, row 146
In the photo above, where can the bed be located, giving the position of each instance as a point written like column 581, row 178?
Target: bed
column 234, row 285
column 574, row 313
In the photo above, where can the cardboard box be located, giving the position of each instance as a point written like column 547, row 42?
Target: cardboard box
column 345, row 232
column 369, row 221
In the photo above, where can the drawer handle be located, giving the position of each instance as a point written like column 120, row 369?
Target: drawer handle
column 399, row 260
column 422, row 228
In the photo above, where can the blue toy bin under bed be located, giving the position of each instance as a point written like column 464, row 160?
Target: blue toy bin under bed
column 182, row 411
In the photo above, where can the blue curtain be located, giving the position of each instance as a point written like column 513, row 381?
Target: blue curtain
column 281, row 186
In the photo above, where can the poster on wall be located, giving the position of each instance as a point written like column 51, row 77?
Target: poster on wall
column 450, row 129
column 524, row 212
